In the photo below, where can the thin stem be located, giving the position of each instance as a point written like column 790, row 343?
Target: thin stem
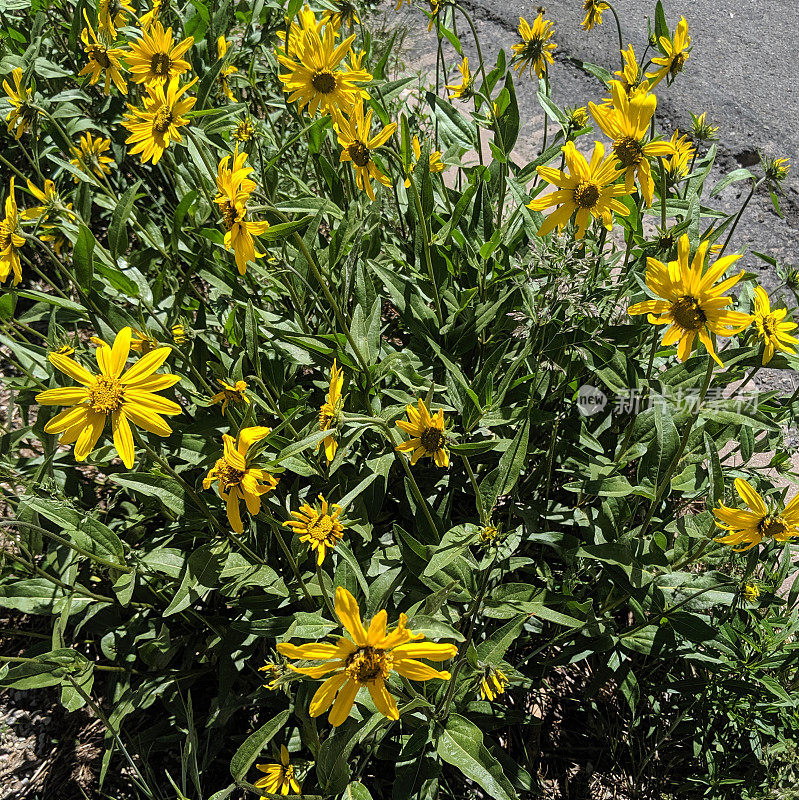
column 323, row 589
column 738, row 218
column 275, row 525
column 473, row 480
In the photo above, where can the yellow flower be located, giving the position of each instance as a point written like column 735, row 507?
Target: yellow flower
column 48, row 213
column 124, row 397
column 776, row 170
column 244, row 131
column 676, row 54
column 749, row 528
column 436, row 165
column 90, row 156
column 589, row 190
column 23, row 113
column 751, row 592
column 488, row 534
column 231, row 393
column 493, row 684
column 64, row 350
column 320, row 527
column 143, row 342
column 771, row 327
column 308, row 21
column 630, row 76
column 146, row 20
column 355, row 138
column 275, row 673
column 535, row 49
column 10, row 239
column 51, row 203
column 153, row 127
column 435, row 8
column 330, row 412
column 462, row 90
column 279, row 777
column 179, row 335
column 156, row 59
column 428, row 437
column 345, row 14
column 692, row 306
column 312, row 77
column 365, row 660
column 113, row 14
column 237, row 480
column 102, row 58
column 577, row 117
column 233, row 190
column 626, row 122
column 222, row 45
column 702, row 131
column 593, row 13
column 680, row 160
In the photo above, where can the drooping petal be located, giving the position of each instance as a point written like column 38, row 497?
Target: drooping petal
column 349, row 613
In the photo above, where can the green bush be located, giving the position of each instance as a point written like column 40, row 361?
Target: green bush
column 469, row 434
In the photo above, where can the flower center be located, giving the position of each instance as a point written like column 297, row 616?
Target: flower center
column 586, row 194
column 688, row 314
column 367, row 664
column 244, row 131
column 678, row 62
column 320, row 528
column 99, row 54
column 432, row 439
column 105, row 395
column 769, row 326
column 228, row 214
column 5, row 236
column 162, row 120
column 228, row 475
column 772, row 526
column 324, row 81
column 160, row 64
column 533, row 48
column 628, row 151
column 359, row 153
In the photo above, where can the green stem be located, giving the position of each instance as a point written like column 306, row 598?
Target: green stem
column 738, row 218
column 66, row 543
column 618, row 30
column 477, row 497
column 323, row 590
column 426, row 246
column 275, row 525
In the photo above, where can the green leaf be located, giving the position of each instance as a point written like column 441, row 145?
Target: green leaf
column 245, row 756
column 714, row 471
column 203, row 569
column 356, row 791
column 501, row 481
column 117, row 230
column 83, row 257
column 87, row 533
column 454, row 127
column 452, row 544
column 460, row 743
column 276, row 233
column 166, row 490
